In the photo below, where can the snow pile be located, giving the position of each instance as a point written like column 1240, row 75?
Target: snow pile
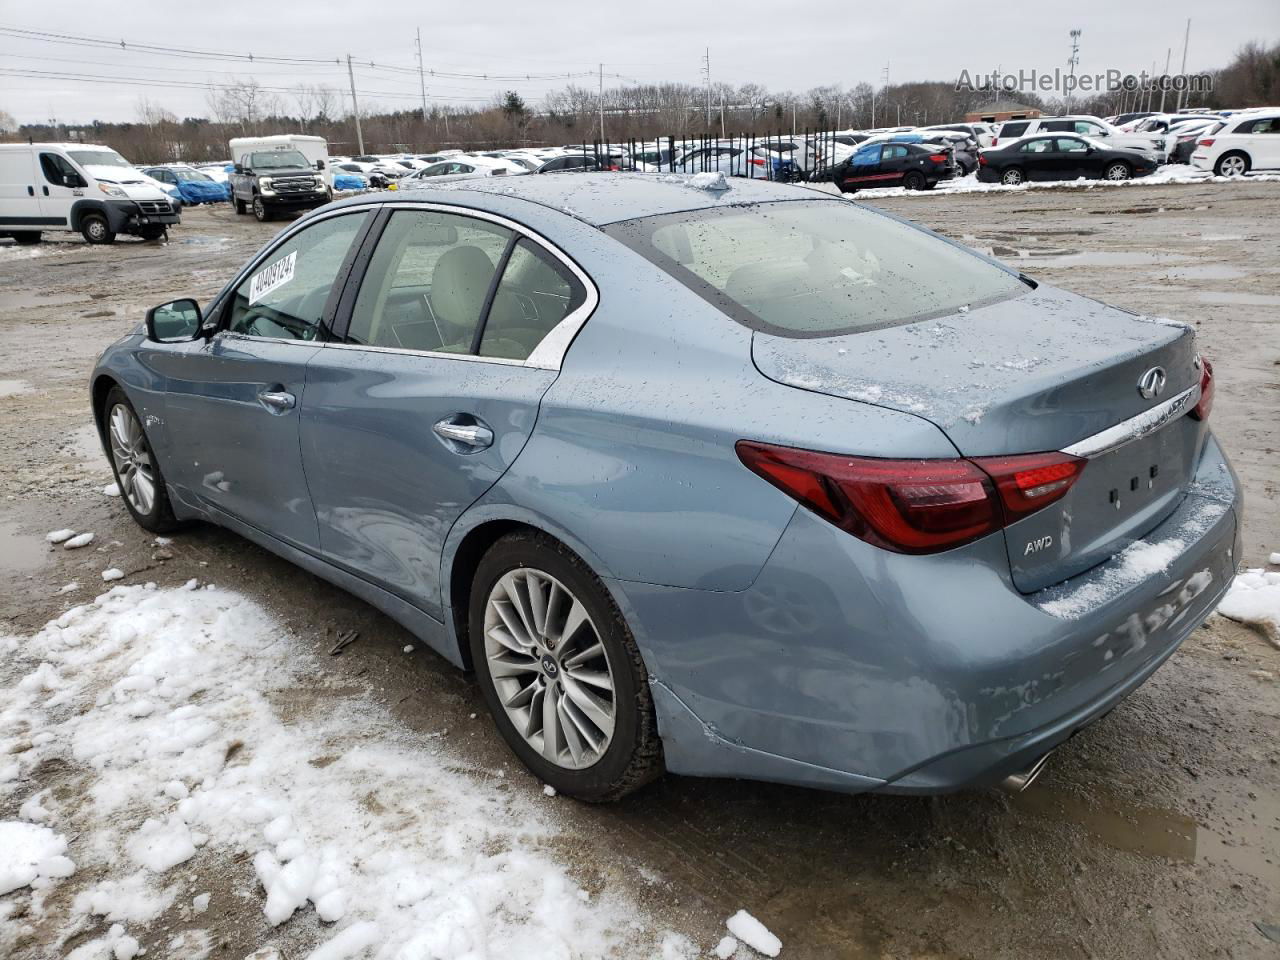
column 111, row 490
column 59, row 536
column 29, row 853
column 162, row 701
column 1254, row 598
column 753, row 933
column 78, row 541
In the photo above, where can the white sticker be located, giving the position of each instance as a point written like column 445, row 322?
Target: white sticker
column 271, row 277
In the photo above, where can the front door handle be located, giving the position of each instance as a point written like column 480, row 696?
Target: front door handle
column 277, row 401
column 471, row 436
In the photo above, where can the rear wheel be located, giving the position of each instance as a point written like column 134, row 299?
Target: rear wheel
column 914, row 180
column 260, row 211
column 26, row 237
column 1117, row 171
column 94, row 229
column 135, row 466
column 1232, row 165
column 1012, row 177
column 560, row 671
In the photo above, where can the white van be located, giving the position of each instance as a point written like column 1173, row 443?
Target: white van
column 315, row 149
column 79, row 187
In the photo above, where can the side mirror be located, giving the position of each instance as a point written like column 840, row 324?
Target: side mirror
column 239, row 169
column 1089, row 150
column 72, row 180
column 319, row 164
column 174, row 322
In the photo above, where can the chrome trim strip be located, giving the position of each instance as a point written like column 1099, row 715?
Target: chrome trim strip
column 1135, row 428
column 436, row 354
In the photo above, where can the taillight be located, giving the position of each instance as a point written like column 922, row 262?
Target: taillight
column 982, row 159
column 938, row 157
column 994, row 141
column 914, row 506
column 757, row 161
column 1201, row 411
column 1206, row 143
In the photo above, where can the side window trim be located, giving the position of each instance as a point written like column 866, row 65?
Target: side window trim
column 494, row 282
column 547, row 355
column 328, row 323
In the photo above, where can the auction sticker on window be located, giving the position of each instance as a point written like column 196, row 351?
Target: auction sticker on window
column 271, row 277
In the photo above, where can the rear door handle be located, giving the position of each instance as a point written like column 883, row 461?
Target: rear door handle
column 475, row 436
column 277, row 401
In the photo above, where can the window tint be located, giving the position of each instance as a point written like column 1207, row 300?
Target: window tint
column 815, row 268
column 1072, row 145
column 55, row 168
column 537, row 291
column 1058, row 125
column 895, row 152
column 427, row 282
column 1010, row 130
column 285, row 295
column 1043, row 145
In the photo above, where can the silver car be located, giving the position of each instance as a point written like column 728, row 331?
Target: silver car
column 747, row 482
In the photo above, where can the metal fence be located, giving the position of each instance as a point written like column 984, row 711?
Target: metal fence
column 806, row 155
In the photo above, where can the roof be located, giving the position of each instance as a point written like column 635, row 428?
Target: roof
column 600, row 199
column 1003, row 106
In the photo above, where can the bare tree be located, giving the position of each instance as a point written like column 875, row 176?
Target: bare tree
column 7, row 123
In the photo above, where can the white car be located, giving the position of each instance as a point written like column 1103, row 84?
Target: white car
column 979, row 131
column 1246, row 142
column 460, row 168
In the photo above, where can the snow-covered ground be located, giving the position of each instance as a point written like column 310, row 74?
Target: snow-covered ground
column 164, row 705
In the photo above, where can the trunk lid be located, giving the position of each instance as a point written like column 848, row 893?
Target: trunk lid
column 1039, row 372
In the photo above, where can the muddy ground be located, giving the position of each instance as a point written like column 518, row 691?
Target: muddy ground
column 1154, row 833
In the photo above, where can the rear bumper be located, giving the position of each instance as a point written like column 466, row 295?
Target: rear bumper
column 850, row 668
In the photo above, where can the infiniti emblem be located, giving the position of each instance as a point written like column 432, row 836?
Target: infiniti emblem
column 1151, row 383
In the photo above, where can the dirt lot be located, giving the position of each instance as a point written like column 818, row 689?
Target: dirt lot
column 1154, row 833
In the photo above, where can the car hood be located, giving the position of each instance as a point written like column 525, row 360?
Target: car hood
column 1039, row 371
column 137, row 186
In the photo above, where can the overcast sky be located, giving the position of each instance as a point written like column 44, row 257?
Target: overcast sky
column 750, row 40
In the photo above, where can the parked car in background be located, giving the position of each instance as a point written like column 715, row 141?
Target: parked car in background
column 877, row 555
column 78, row 187
column 346, row 180
column 981, row 132
column 314, row 149
column 570, row 163
column 964, row 148
column 194, row 186
column 1092, row 127
column 271, row 182
column 916, row 166
column 1245, row 143
column 1183, row 137
column 377, row 179
column 1061, row 157
column 460, row 168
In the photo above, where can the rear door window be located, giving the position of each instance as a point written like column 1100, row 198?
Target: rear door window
column 815, row 268
column 536, row 292
column 1013, row 129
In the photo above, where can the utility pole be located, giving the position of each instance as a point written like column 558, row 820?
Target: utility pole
column 1071, row 63
column 706, row 72
column 885, row 74
column 422, row 81
column 602, row 103
column 1185, row 41
column 355, row 106
column 1168, row 54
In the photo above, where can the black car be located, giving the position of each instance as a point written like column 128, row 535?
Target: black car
column 273, row 181
column 571, row 163
column 916, row 166
column 1060, row 157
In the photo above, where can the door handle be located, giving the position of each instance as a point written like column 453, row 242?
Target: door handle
column 277, row 401
column 46, row 190
column 31, row 191
column 468, row 436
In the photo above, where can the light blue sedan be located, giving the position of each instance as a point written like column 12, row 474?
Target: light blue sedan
column 743, row 482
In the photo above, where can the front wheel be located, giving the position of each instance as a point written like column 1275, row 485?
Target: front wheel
column 1012, row 177
column 1117, row 171
column 135, row 466
column 560, row 671
column 1231, row 165
column 914, row 180
column 260, row 211
column 94, row 229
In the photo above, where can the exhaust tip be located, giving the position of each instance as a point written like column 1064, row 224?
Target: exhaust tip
column 1017, row 782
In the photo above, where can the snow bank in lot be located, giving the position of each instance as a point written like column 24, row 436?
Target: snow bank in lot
column 162, row 699
column 1254, row 598
column 28, row 853
column 754, row 934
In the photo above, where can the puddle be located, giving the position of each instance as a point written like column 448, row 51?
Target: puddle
column 1241, row 299
column 1108, row 258
column 11, row 388
column 1153, row 832
column 20, row 552
column 1206, row 271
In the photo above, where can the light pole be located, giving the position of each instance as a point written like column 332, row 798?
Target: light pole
column 1071, row 63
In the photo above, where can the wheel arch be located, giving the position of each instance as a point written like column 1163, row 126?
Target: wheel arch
column 81, row 207
column 101, row 386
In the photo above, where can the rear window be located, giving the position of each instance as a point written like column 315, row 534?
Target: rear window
column 815, row 268
column 1013, row 129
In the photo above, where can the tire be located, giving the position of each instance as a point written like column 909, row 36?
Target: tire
column 1232, row 164
column 240, row 207
column 1117, row 171
column 133, row 461
column 26, row 237
column 94, row 229
column 625, row 758
column 260, row 211
column 1013, row 177
column 914, row 180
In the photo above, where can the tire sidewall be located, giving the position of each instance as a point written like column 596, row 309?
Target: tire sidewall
column 1227, row 156
column 520, row 551
column 260, row 211
column 1118, row 165
column 913, row 181
column 102, row 233
column 1014, row 171
column 160, row 519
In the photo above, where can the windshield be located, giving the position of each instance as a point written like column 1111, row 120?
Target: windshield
column 277, row 160
column 815, row 268
column 97, row 158
column 186, row 173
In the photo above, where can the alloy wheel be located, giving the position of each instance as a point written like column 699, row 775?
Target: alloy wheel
column 1011, row 178
column 1117, row 171
column 549, row 668
column 1232, row 166
column 131, row 455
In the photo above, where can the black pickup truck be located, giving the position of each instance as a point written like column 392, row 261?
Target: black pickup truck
column 273, row 181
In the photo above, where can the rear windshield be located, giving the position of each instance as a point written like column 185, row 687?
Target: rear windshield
column 815, row 268
column 1013, row 129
